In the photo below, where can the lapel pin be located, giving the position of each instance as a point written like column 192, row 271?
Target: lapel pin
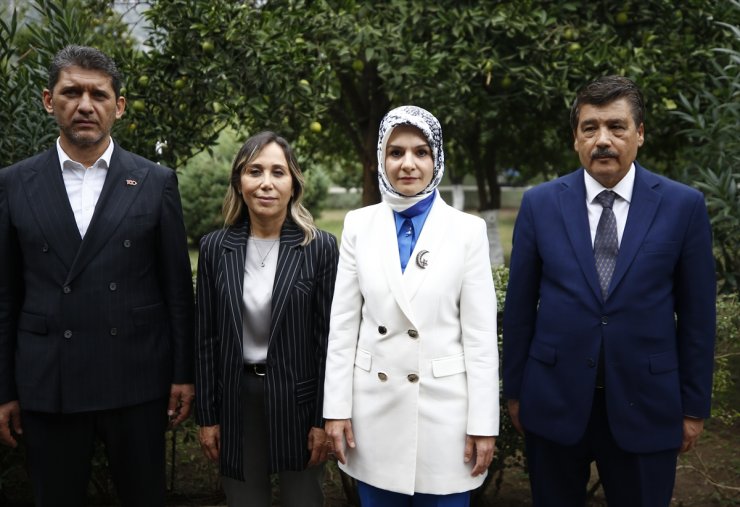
column 420, row 260
column 132, row 183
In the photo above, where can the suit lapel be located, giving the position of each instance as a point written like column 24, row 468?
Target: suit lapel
column 385, row 245
column 115, row 199
column 643, row 206
column 575, row 219
column 231, row 271
column 45, row 191
column 290, row 259
column 430, row 240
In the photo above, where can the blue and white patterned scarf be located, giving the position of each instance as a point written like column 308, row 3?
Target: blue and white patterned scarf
column 430, row 127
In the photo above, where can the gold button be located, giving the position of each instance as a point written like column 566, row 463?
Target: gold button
column 382, row 376
column 413, row 377
column 413, row 333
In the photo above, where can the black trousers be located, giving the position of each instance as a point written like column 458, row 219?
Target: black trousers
column 559, row 474
column 60, row 448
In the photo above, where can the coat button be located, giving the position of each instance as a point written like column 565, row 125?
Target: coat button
column 126, row 243
column 113, row 331
column 413, row 377
column 413, row 333
column 382, row 329
column 590, row 362
column 382, row 376
column 68, row 334
column 67, row 289
column 45, row 248
column 112, row 286
column 604, row 320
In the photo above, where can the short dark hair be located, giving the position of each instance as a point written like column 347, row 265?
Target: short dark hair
column 607, row 89
column 87, row 58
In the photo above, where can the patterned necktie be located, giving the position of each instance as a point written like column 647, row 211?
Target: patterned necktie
column 606, row 243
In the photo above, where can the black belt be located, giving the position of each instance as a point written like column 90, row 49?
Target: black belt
column 258, row 369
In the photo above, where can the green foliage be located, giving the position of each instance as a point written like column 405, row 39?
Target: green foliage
column 203, row 182
column 316, row 190
column 712, row 160
column 726, row 359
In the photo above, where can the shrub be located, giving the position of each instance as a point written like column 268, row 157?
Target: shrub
column 712, row 161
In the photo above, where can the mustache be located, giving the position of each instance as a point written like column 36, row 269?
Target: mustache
column 603, row 153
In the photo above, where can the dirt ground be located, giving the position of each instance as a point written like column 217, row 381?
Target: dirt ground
column 706, row 477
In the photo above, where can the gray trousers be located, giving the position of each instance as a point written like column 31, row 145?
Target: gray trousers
column 297, row 489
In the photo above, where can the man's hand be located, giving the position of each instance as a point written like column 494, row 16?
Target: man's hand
column 319, row 444
column 483, row 448
column 210, row 441
column 337, row 430
column 692, row 428
column 513, row 406
column 10, row 422
column 181, row 401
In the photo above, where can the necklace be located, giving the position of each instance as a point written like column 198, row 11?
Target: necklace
column 259, row 252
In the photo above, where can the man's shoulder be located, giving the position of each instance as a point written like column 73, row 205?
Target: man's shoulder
column 130, row 158
column 666, row 185
column 34, row 160
column 553, row 186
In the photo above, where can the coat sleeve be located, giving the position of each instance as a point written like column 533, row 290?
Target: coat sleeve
column 522, row 298
column 177, row 280
column 479, row 337
column 207, row 340
column 695, row 303
column 10, row 293
column 325, row 279
column 344, row 328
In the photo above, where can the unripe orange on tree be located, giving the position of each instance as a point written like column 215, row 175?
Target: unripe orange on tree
column 315, row 127
column 138, row 105
column 207, row 46
column 143, row 80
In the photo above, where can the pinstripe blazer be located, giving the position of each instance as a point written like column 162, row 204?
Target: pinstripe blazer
column 301, row 301
column 101, row 322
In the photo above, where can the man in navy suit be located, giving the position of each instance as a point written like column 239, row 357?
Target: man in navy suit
column 610, row 315
column 95, row 298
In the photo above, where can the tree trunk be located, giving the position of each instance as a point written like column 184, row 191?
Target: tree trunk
column 458, row 196
column 495, row 249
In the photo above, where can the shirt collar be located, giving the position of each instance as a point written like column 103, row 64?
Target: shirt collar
column 623, row 189
column 103, row 161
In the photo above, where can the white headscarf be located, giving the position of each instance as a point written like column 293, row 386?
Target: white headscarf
column 430, row 127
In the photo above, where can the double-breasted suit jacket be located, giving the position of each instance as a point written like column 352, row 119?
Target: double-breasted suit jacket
column 301, row 299
column 101, row 322
column 413, row 356
column 656, row 324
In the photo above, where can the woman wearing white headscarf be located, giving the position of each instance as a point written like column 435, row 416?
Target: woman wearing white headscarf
column 411, row 386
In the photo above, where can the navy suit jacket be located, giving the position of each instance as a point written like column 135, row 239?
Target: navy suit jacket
column 656, row 325
column 101, row 322
column 296, row 354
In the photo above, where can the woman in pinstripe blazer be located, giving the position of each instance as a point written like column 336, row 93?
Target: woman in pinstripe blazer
column 264, row 290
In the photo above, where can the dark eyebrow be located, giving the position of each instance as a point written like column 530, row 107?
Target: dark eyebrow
column 423, row 145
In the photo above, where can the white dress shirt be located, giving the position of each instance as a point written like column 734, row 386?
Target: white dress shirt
column 621, row 205
column 84, row 184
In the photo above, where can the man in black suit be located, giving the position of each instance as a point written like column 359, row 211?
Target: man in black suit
column 95, row 297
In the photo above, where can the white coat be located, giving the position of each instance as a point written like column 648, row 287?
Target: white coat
column 412, row 357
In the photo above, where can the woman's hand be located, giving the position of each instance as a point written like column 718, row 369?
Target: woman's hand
column 210, row 441
column 319, row 445
column 337, row 431
column 483, row 448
